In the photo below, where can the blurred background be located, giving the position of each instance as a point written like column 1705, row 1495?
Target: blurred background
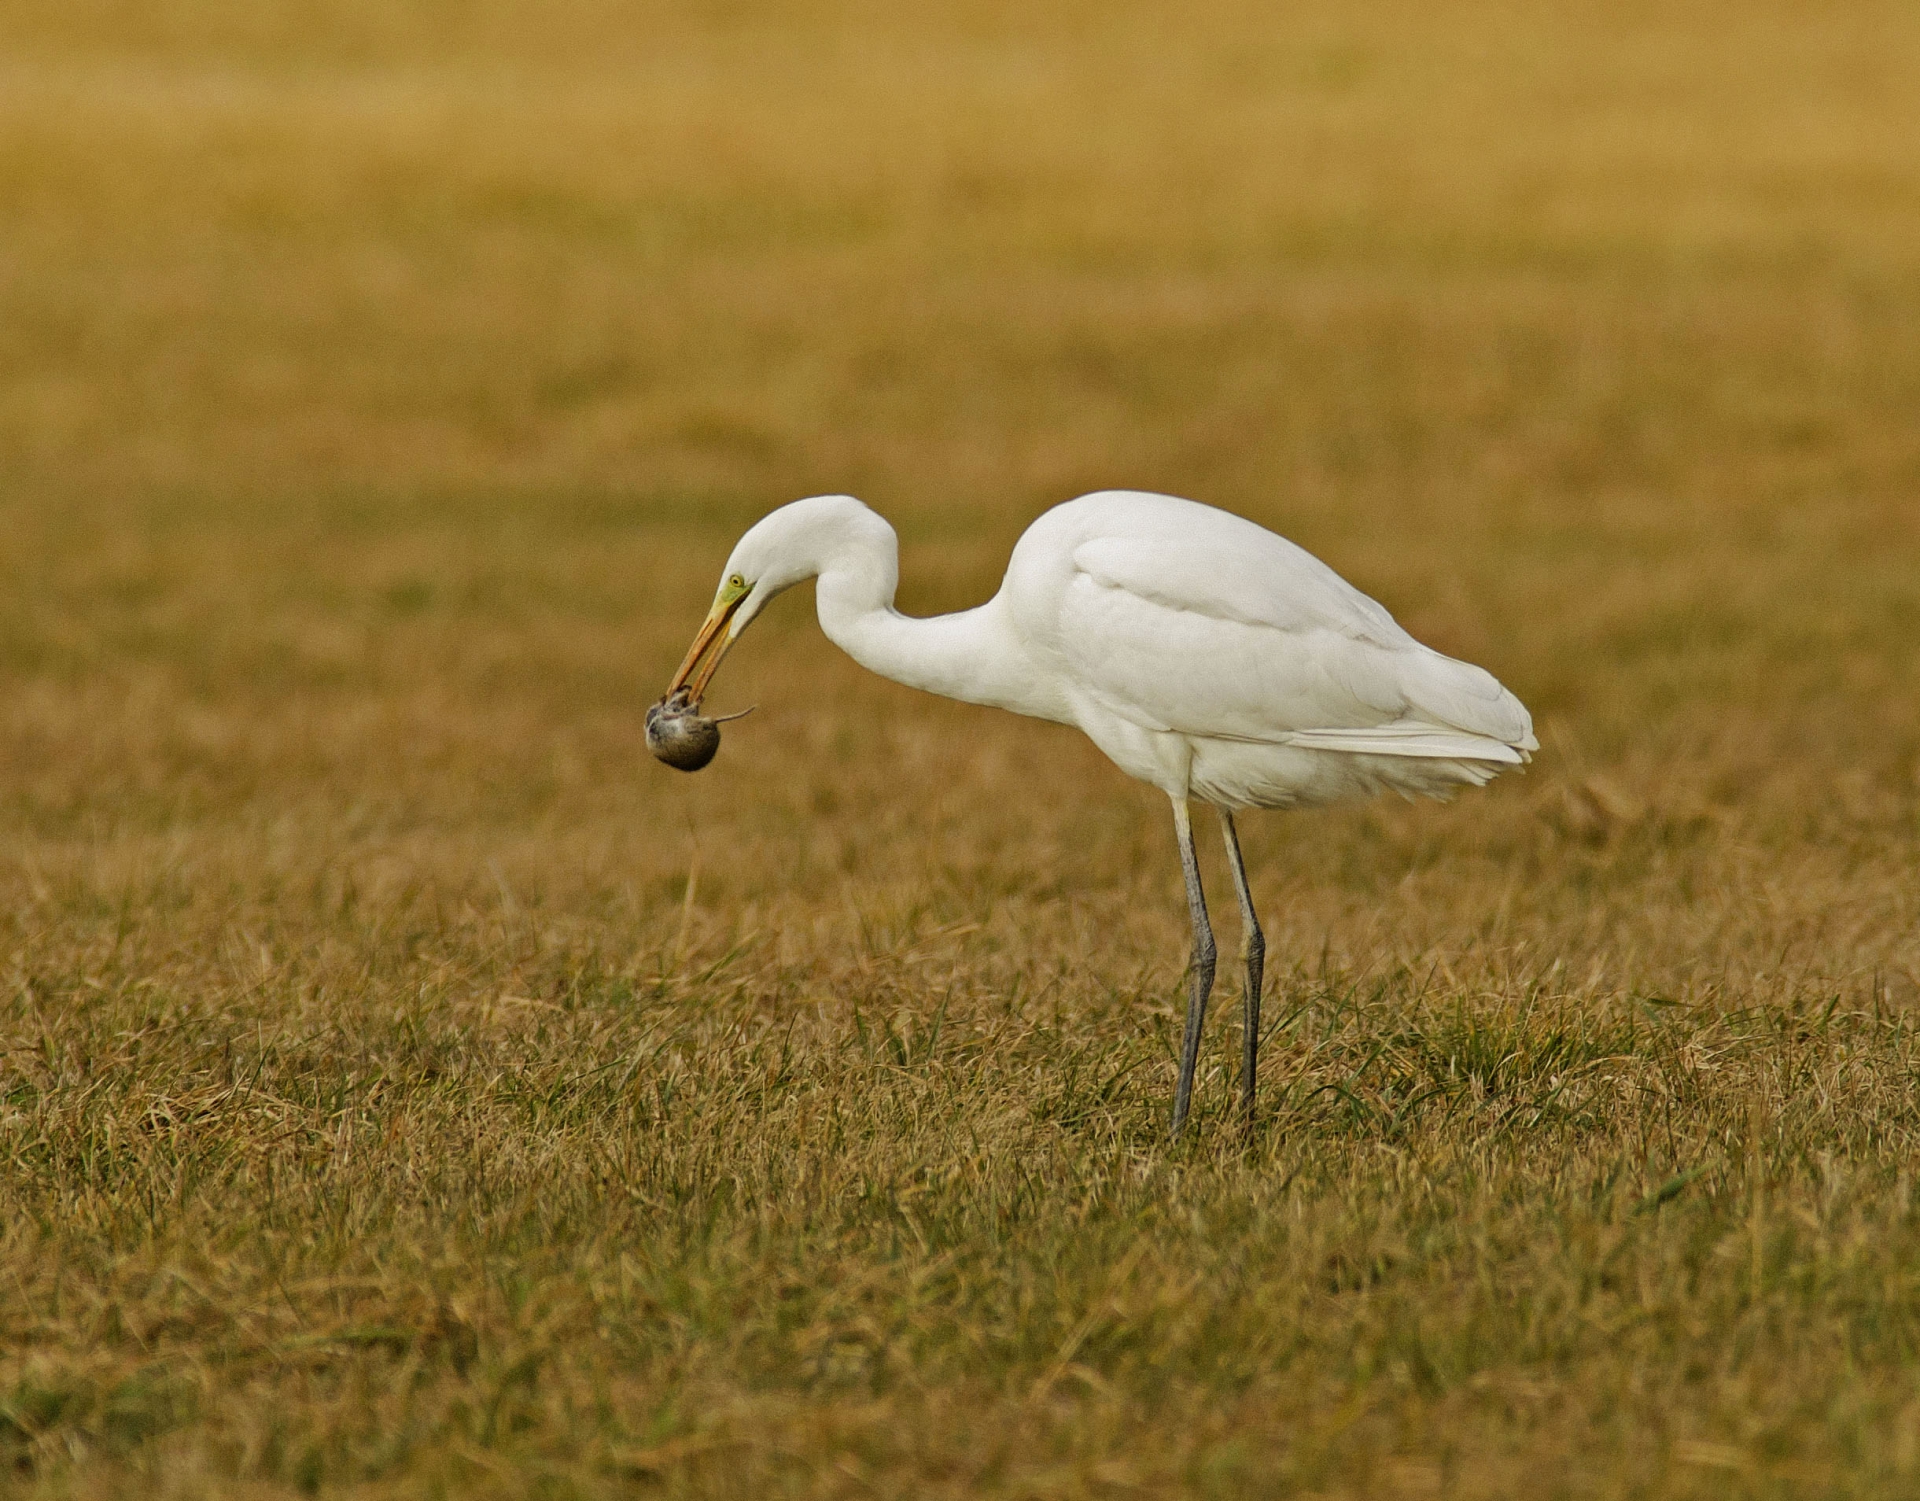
column 382, row 386
column 405, row 1083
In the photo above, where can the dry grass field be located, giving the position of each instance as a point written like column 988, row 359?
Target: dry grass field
column 408, row 1089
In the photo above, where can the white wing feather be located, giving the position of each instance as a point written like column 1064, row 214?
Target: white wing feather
column 1180, row 617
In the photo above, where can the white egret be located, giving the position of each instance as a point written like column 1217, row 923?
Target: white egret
column 1200, row 652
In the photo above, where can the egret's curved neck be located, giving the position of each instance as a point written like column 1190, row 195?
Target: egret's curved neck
column 974, row 655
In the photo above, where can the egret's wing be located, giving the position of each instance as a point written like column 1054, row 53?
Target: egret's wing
column 1227, row 568
column 1235, row 633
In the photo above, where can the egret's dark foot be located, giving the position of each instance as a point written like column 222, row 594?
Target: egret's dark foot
column 1203, row 961
column 1203, row 964
column 1256, row 959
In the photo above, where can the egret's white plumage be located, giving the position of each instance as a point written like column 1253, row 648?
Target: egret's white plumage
column 1200, row 652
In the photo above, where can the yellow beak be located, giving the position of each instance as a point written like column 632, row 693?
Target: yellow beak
column 714, row 629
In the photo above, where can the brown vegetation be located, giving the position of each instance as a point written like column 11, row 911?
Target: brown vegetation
column 407, row 1089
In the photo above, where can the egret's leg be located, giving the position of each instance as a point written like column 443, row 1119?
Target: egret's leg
column 1256, row 964
column 1203, row 957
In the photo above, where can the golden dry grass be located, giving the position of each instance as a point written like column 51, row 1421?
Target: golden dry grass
column 408, row 1090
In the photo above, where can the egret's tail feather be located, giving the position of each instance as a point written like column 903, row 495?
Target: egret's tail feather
column 1413, row 740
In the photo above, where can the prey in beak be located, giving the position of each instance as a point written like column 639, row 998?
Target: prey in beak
column 677, row 732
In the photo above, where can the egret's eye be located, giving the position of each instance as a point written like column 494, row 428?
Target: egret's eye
column 736, row 582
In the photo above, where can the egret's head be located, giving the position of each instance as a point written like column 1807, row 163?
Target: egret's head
column 778, row 551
